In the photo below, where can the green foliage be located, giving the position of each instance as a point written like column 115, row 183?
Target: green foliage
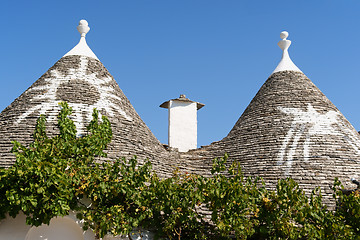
column 42, row 183
column 55, row 175
column 289, row 214
column 234, row 201
column 175, row 204
column 348, row 208
column 117, row 195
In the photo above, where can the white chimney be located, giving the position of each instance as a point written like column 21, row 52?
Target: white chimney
column 182, row 123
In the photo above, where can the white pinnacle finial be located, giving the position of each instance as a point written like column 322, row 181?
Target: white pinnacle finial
column 82, row 48
column 285, row 63
column 83, row 27
column 284, row 35
column 284, row 44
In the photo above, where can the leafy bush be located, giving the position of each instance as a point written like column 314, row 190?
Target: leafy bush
column 55, row 175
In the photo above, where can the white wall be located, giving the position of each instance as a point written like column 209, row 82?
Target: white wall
column 58, row 229
column 14, row 228
column 182, row 125
column 61, row 228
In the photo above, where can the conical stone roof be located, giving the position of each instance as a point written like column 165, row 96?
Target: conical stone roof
column 291, row 129
column 80, row 79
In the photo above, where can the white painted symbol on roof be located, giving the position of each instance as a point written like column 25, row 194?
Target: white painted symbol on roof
column 316, row 124
column 50, row 104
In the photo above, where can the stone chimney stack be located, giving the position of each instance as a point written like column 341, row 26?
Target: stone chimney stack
column 182, row 123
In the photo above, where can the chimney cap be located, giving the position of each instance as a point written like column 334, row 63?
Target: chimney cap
column 182, row 98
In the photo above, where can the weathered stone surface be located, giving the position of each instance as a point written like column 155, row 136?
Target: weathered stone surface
column 291, row 129
column 85, row 84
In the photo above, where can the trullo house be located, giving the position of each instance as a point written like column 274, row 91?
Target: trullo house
column 289, row 129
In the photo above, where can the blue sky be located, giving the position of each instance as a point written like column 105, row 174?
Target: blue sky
column 216, row 52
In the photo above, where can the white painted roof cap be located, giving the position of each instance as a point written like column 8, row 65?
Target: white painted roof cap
column 285, row 62
column 82, row 48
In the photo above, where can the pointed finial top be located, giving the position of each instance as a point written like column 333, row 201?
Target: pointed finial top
column 83, row 27
column 284, row 35
column 82, row 48
column 284, row 44
column 285, row 64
